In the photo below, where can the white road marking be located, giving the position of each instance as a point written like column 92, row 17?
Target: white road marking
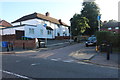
column 35, row 64
column 58, row 59
column 17, row 60
column 85, row 63
column 68, row 61
column 54, row 59
column 14, row 74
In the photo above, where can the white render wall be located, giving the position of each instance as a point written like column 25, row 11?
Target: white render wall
column 30, row 22
column 17, row 23
column 0, row 31
column 37, row 32
column 9, row 31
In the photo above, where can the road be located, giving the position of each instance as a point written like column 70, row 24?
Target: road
column 53, row 64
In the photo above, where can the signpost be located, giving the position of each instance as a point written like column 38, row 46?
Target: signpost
column 98, row 18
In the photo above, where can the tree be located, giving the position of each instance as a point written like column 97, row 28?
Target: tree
column 78, row 24
column 90, row 10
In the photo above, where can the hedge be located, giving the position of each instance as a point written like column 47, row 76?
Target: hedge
column 109, row 37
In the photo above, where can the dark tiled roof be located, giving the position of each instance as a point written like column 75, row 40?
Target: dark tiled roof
column 110, row 25
column 5, row 24
column 40, row 16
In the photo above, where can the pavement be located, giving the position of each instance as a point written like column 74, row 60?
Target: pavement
column 101, row 59
column 84, row 56
column 98, row 58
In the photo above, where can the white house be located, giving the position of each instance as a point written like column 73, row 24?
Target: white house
column 37, row 25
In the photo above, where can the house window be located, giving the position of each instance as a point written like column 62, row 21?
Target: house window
column 109, row 28
column 41, row 31
column 116, row 27
column 58, row 34
column 31, row 30
column 64, row 34
column 49, row 32
column 50, row 23
column 58, row 25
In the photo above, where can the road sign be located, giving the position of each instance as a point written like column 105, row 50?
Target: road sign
column 45, row 25
column 98, row 17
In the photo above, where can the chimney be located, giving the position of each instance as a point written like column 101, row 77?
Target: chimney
column 47, row 14
column 60, row 21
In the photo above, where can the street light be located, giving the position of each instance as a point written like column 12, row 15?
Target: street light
column 70, row 31
column 70, row 35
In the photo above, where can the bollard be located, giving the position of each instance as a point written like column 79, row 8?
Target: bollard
column 108, row 52
column 96, row 48
column 110, row 47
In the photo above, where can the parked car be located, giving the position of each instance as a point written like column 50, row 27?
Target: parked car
column 91, row 41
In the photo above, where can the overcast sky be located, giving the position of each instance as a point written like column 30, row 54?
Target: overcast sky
column 11, row 10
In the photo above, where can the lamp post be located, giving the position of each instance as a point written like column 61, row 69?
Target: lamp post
column 46, row 38
column 70, row 30
column 70, row 35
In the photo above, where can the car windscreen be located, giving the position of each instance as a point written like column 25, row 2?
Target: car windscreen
column 91, row 38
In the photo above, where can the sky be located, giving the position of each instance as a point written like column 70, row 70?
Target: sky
column 10, row 10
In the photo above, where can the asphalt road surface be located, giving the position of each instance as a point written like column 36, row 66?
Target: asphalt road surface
column 32, row 66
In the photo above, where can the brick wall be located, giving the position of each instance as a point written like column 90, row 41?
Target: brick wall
column 30, row 44
column 24, row 43
column 27, row 44
column 8, row 37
